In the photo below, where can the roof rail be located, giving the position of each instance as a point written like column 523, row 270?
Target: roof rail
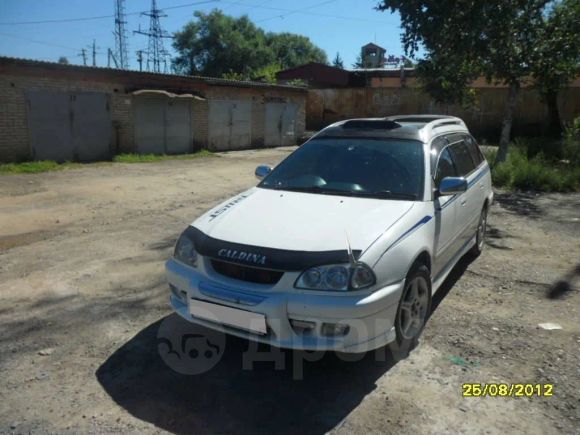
column 428, row 131
column 431, row 123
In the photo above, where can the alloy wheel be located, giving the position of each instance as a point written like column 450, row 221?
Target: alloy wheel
column 414, row 308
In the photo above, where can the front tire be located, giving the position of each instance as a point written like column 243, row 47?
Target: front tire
column 414, row 308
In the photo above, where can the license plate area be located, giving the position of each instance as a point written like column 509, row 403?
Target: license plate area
column 246, row 320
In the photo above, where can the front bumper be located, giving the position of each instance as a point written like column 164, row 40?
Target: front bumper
column 369, row 316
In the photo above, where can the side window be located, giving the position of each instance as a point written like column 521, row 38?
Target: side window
column 445, row 167
column 438, row 144
column 474, row 150
column 462, row 158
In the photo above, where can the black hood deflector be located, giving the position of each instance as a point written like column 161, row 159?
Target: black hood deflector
column 262, row 257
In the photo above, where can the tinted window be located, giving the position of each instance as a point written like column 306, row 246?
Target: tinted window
column 463, row 161
column 364, row 167
column 445, row 167
column 474, row 150
column 438, row 144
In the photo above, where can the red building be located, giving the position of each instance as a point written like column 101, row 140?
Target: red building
column 316, row 75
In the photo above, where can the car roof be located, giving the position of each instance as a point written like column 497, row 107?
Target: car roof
column 411, row 127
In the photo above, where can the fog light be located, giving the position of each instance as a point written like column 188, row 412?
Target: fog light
column 334, row 329
column 302, row 326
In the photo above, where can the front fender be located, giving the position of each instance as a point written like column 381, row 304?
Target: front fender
column 398, row 249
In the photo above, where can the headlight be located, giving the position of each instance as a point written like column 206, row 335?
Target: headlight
column 185, row 251
column 337, row 277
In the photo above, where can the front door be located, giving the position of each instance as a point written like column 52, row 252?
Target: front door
column 446, row 230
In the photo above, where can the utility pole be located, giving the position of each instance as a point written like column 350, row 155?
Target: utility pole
column 140, row 59
column 121, row 55
column 111, row 55
column 156, row 53
column 83, row 54
column 94, row 49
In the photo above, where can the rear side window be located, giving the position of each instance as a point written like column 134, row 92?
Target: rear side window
column 462, row 158
column 445, row 167
column 474, row 150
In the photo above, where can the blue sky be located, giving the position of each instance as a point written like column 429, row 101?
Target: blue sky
column 334, row 25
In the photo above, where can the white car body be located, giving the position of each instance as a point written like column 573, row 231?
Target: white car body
column 288, row 231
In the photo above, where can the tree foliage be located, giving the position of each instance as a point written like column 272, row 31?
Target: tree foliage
column 557, row 56
column 463, row 41
column 63, row 60
column 337, row 61
column 218, row 45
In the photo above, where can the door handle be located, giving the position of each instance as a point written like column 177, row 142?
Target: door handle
column 463, row 202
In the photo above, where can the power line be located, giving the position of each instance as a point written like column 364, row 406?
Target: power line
column 231, row 3
column 303, row 11
column 39, row 42
column 98, row 17
column 297, row 11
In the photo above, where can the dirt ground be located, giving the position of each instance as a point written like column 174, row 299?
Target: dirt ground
column 82, row 295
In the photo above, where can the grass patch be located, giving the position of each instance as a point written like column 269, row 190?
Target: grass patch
column 49, row 165
column 539, row 173
column 34, row 167
column 148, row 158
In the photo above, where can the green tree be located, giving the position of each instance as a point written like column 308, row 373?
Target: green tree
column 557, row 57
column 495, row 39
column 63, row 60
column 290, row 50
column 215, row 44
column 337, row 62
column 359, row 63
column 218, row 45
column 267, row 73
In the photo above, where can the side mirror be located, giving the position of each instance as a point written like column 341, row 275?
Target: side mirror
column 452, row 186
column 262, row 171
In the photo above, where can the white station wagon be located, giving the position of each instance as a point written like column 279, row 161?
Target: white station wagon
column 342, row 245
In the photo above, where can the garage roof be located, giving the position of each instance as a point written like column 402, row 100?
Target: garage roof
column 114, row 74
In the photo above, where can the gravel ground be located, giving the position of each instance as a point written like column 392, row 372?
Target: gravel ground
column 82, row 296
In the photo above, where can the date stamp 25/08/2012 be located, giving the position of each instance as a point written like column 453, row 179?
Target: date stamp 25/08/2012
column 507, row 390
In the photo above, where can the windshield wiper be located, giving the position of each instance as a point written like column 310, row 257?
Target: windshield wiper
column 359, row 193
column 389, row 194
column 318, row 189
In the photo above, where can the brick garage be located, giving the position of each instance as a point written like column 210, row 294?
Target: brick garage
column 21, row 81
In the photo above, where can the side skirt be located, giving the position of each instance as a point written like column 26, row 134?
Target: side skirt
column 438, row 280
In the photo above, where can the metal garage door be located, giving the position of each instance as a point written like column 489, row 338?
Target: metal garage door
column 178, row 139
column 69, row 126
column 163, row 125
column 281, row 124
column 91, row 126
column 230, row 124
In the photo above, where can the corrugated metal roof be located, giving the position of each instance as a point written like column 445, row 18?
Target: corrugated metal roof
column 105, row 70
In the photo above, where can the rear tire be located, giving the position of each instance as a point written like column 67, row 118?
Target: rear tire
column 413, row 310
column 480, row 234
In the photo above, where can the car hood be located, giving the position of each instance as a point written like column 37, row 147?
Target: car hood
column 301, row 221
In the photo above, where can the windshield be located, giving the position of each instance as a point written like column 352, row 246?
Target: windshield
column 366, row 167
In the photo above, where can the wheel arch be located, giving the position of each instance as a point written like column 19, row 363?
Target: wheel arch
column 423, row 259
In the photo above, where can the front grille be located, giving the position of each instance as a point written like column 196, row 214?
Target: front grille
column 246, row 273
